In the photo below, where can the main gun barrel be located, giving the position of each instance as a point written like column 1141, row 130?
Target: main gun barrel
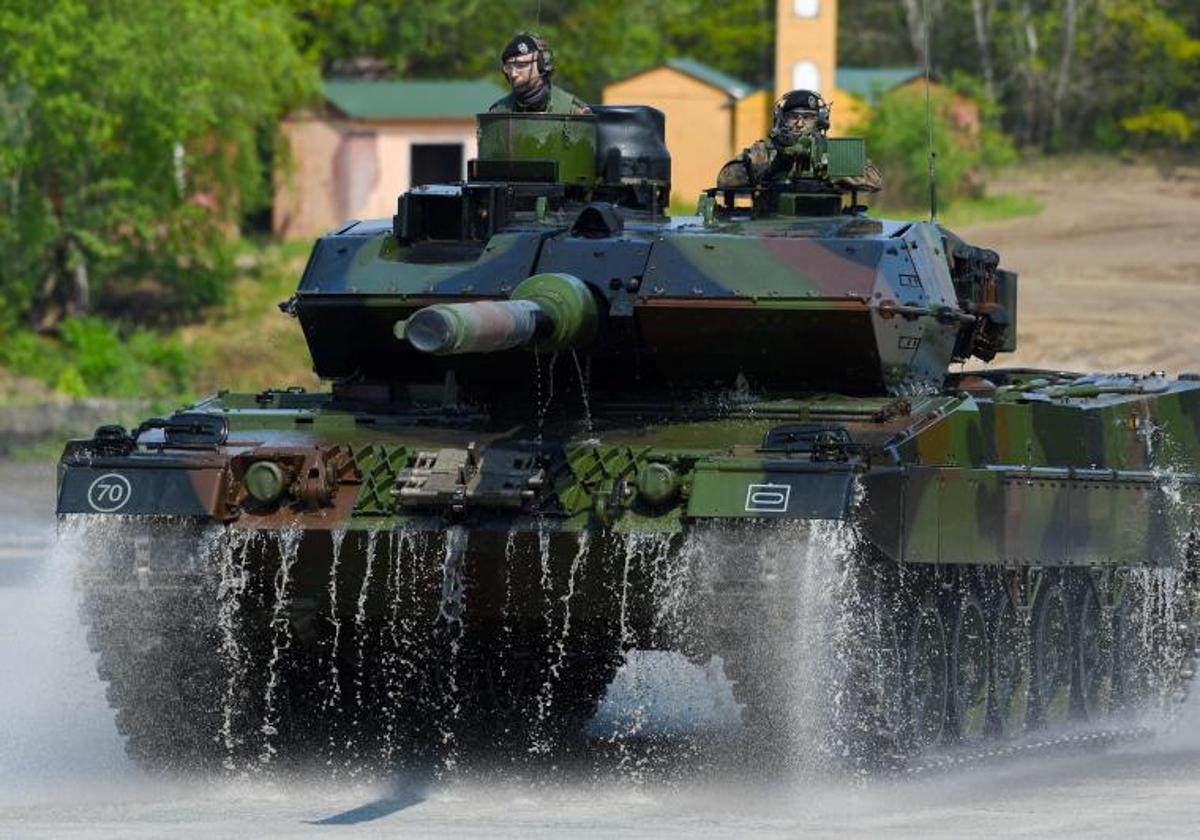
column 551, row 311
column 485, row 326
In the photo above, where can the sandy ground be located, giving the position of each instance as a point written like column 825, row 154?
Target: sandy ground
column 1109, row 270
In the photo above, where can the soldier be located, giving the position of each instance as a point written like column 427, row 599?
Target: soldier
column 798, row 113
column 528, row 64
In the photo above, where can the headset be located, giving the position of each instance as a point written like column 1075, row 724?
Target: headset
column 543, row 54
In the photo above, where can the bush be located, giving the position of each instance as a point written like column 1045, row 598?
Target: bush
column 964, row 138
column 1160, row 126
column 90, row 357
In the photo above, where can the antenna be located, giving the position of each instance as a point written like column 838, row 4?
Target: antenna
column 929, row 120
column 539, row 15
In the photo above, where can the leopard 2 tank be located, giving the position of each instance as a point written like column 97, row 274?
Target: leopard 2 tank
column 562, row 426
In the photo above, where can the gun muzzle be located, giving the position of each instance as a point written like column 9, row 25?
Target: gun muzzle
column 485, row 326
column 551, row 311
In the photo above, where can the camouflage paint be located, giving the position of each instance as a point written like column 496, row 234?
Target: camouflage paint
column 720, row 342
column 569, row 139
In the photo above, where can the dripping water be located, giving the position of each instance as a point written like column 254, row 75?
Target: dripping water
column 584, row 387
column 413, row 644
column 558, row 648
column 670, row 587
column 543, row 403
column 359, row 720
column 452, row 610
column 232, row 553
column 506, row 627
column 392, row 661
column 333, row 699
column 288, row 541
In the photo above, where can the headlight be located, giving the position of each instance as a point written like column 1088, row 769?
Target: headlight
column 265, row 481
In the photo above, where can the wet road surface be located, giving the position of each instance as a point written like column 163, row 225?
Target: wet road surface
column 63, row 773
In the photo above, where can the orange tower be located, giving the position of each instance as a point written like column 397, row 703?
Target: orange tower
column 805, row 45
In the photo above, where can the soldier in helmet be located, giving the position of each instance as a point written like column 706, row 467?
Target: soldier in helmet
column 798, row 113
column 528, row 64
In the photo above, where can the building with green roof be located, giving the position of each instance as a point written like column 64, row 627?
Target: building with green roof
column 368, row 141
column 869, row 83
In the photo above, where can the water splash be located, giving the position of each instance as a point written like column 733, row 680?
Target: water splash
column 778, row 608
column 288, row 541
column 656, row 583
column 626, row 633
column 452, row 611
column 231, row 551
column 58, row 728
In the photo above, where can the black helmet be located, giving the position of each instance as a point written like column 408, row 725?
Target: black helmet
column 799, row 100
column 530, row 43
column 804, row 100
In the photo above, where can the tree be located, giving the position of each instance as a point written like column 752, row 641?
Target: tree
column 595, row 41
column 898, row 136
column 1065, row 72
column 130, row 142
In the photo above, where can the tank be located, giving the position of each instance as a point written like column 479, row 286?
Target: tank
column 562, row 426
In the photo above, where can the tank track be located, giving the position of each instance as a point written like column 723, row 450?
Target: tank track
column 871, row 720
column 183, row 707
column 150, row 657
column 185, row 704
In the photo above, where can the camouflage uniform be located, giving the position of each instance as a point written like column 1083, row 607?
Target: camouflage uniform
column 762, row 163
column 559, row 102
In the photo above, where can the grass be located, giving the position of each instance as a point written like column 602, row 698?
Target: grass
column 974, row 211
column 247, row 344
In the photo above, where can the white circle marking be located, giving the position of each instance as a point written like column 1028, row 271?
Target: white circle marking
column 109, row 493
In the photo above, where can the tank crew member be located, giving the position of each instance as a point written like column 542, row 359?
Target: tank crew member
column 798, row 113
column 528, row 64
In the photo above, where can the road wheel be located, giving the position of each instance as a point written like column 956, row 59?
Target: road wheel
column 928, row 669
column 1095, row 657
column 1010, row 671
column 969, row 670
column 1053, row 657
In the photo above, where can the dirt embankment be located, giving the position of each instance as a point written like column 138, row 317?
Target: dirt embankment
column 1110, row 269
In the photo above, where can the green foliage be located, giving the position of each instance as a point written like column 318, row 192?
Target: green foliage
column 996, row 147
column 1066, row 73
column 897, row 135
column 1155, row 98
column 595, row 41
column 1158, row 123
column 92, row 357
column 130, row 142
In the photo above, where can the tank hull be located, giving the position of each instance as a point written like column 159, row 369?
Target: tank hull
column 1013, row 560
